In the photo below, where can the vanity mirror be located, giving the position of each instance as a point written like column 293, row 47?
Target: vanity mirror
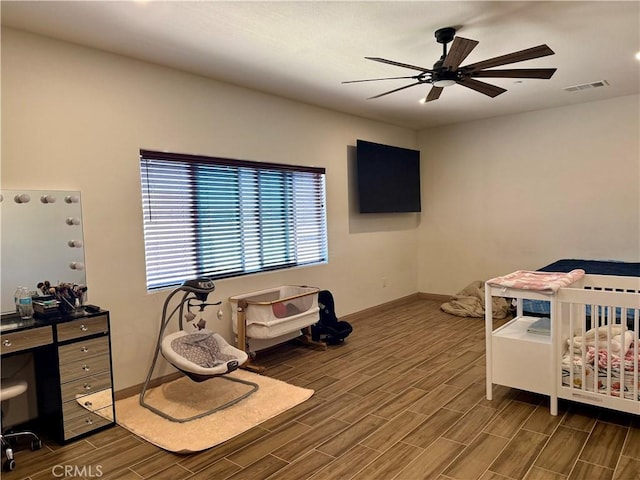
column 41, row 240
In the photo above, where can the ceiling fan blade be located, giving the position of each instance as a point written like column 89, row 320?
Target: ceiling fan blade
column 376, row 79
column 460, row 49
column 398, row 64
column 544, row 73
column 522, row 55
column 433, row 94
column 487, row 89
column 396, row 90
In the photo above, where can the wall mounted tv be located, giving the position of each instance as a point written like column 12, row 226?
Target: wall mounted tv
column 388, row 178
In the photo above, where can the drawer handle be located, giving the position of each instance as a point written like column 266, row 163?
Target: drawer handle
column 89, row 421
column 86, row 368
column 83, row 328
column 84, row 349
column 6, row 342
column 87, row 386
column 88, row 404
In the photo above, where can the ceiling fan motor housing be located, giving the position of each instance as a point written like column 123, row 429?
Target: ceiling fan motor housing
column 444, row 77
column 445, row 35
column 441, row 75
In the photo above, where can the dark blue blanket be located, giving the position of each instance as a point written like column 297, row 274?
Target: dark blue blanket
column 595, row 267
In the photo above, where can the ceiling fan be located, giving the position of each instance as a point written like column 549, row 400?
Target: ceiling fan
column 447, row 71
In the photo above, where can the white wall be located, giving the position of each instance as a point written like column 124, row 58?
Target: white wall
column 498, row 195
column 522, row 191
column 75, row 118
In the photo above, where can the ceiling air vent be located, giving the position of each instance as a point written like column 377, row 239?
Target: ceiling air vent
column 586, row 86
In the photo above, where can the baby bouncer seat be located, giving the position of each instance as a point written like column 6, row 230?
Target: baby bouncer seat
column 200, row 354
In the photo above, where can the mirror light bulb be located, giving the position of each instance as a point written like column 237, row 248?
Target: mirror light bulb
column 22, row 198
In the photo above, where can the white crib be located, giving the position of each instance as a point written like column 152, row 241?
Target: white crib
column 599, row 342
column 591, row 353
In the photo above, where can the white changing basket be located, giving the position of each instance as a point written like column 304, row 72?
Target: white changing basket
column 268, row 317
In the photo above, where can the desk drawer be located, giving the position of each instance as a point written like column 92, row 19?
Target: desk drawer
column 83, row 349
column 25, row 339
column 79, row 420
column 85, row 386
column 83, row 368
column 82, row 327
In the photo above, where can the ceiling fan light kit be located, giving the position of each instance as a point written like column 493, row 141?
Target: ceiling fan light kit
column 443, row 83
column 447, row 71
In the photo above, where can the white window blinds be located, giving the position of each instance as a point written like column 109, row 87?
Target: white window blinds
column 221, row 218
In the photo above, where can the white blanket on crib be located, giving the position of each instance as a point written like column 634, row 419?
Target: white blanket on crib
column 621, row 339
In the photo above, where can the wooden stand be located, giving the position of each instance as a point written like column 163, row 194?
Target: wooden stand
column 242, row 338
column 307, row 339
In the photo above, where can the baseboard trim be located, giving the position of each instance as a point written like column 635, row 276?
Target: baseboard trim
column 377, row 308
column 136, row 389
column 438, row 297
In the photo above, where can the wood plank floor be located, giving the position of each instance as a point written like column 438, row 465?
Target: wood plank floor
column 403, row 398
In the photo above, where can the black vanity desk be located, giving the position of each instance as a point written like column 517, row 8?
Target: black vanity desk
column 72, row 358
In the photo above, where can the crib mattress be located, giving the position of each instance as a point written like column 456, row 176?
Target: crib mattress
column 601, row 382
column 280, row 327
column 596, row 379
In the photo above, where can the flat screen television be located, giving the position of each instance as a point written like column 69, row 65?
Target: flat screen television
column 388, row 178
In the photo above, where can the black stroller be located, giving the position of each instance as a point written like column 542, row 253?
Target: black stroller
column 329, row 329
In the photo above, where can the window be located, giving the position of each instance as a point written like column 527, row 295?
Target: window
column 221, row 218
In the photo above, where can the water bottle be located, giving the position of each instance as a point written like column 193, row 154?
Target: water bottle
column 16, row 297
column 25, row 304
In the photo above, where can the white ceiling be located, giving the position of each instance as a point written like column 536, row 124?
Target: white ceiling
column 304, row 50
